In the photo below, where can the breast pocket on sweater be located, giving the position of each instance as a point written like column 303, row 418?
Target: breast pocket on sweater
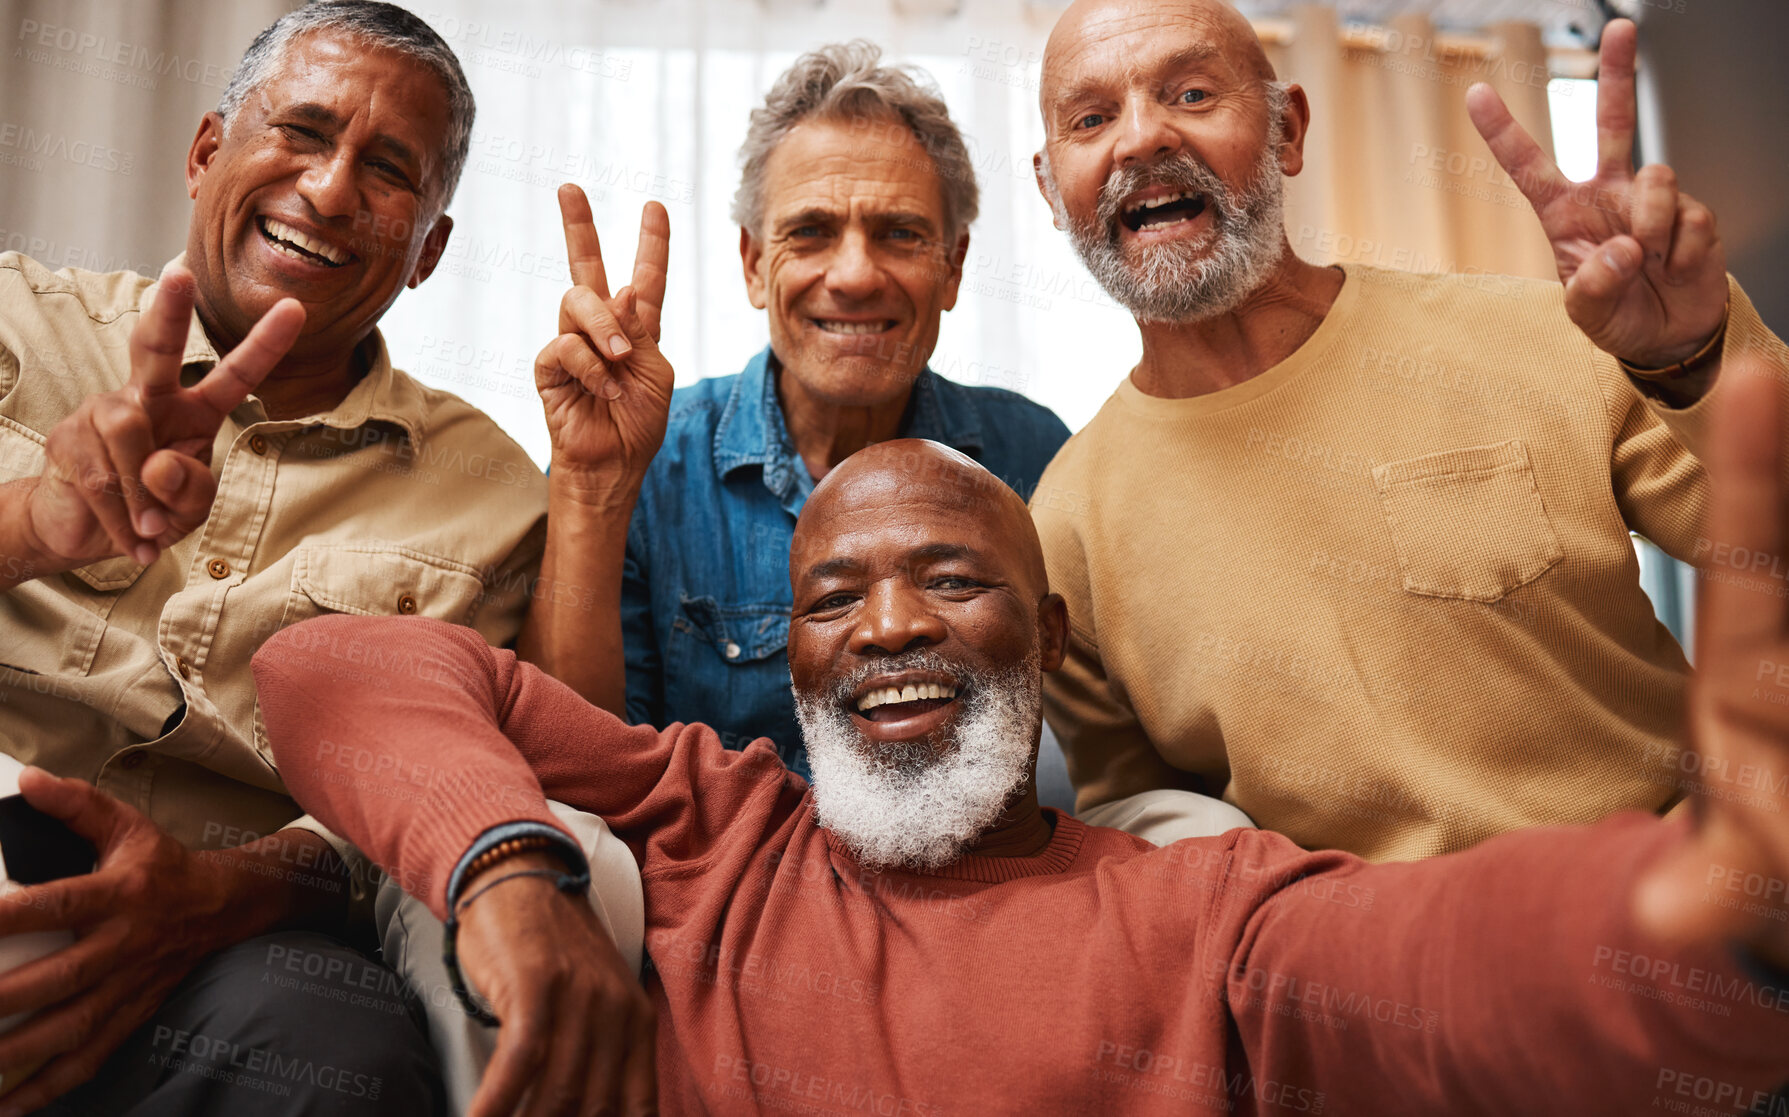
column 1467, row 524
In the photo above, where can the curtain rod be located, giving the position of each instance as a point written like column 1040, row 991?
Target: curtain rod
column 1562, row 62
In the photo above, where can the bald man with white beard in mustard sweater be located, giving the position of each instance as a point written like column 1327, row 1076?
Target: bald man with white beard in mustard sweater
column 1352, row 547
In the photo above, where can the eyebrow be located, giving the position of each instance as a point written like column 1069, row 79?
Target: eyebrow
column 321, row 114
column 943, row 552
column 811, row 216
column 1196, row 55
column 814, row 215
column 931, row 552
column 832, row 568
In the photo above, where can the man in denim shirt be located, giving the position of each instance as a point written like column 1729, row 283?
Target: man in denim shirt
column 854, row 208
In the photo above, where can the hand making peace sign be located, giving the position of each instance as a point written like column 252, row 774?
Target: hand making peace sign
column 128, row 473
column 1644, row 271
column 605, row 385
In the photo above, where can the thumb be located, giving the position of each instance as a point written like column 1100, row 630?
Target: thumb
column 1596, row 289
column 83, row 808
column 185, row 487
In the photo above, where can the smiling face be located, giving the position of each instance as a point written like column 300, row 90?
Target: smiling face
column 1165, row 146
column 326, row 187
column 921, row 627
column 854, row 261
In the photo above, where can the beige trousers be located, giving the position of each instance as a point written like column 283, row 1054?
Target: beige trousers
column 1167, row 815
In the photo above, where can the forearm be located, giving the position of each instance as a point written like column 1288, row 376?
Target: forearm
column 573, row 631
column 392, row 733
column 1512, row 974
column 288, row 881
column 22, row 556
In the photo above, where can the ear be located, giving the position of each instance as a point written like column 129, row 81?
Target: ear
column 1052, row 631
column 433, row 246
column 955, row 264
column 1037, row 171
column 203, row 150
column 751, row 257
column 1298, row 126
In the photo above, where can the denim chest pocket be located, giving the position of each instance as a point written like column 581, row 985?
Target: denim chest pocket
column 726, row 666
column 1467, row 524
column 736, row 634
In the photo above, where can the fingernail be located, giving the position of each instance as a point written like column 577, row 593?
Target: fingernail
column 151, row 523
column 145, row 554
column 1616, row 263
column 611, row 389
column 619, row 347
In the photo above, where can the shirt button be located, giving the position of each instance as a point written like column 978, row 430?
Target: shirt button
column 131, row 761
column 218, row 568
column 258, row 444
column 406, row 605
column 732, row 650
column 182, row 666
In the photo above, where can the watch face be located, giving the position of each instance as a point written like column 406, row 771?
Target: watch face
column 37, row 848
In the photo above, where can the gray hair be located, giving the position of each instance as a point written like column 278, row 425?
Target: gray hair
column 382, row 25
column 846, row 81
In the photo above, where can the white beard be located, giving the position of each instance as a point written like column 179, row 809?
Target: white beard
column 1187, row 281
column 902, row 809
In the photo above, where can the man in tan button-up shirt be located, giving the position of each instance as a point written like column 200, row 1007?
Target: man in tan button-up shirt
column 185, row 469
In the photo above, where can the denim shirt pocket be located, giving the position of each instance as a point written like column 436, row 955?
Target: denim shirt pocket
column 737, row 633
column 727, row 666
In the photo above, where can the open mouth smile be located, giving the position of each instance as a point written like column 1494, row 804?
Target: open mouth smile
column 893, row 703
column 904, row 706
column 1163, row 212
column 853, row 328
column 300, row 245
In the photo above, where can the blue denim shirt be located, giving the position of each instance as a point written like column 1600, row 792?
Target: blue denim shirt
column 705, row 592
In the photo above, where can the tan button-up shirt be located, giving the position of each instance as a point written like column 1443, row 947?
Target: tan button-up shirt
column 402, row 500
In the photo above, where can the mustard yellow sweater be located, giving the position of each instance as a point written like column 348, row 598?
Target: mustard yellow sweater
column 1383, row 595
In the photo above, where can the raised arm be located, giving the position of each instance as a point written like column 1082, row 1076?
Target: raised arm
column 412, row 738
column 607, row 392
column 398, row 731
column 393, row 732
column 1642, row 262
column 128, row 473
column 1510, row 978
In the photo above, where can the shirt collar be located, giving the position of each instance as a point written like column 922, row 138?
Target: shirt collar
column 752, row 431
column 384, row 394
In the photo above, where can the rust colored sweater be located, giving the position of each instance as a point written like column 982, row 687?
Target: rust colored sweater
column 1236, row 974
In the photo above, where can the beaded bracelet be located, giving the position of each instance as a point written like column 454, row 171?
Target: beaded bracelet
column 528, row 843
column 450, row 952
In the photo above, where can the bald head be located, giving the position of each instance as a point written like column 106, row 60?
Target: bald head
column 1206, row 23
column 930, row 482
